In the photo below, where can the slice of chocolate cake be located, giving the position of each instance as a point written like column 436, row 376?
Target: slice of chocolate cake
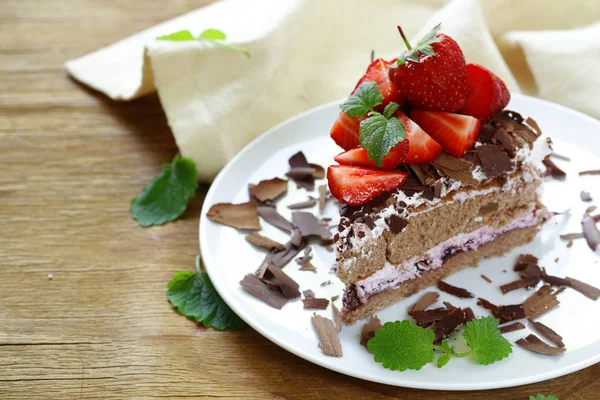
column 446, row 216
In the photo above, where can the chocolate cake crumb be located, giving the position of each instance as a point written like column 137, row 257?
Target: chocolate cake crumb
column 272, row 217
column 585, row 196
column 313, row 303
column 311, row 202
column 587, row 290
column 269, row 189
column 455, row 291
column 570, row 244
column 590, row 232
column 540, row 302
column 548, row 333
column 369, row 328
column 535, row 344
column 425, row 301
column 329, row 341
column 485, row 278
column 264, row 242
column 512, row 327
column 350, row 299
column 257, row 288
column 590, row 172
column 240, row 216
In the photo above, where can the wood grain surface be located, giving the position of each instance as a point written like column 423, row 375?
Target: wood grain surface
column 70, row 162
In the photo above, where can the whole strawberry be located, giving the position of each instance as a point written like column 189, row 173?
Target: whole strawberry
column 433, row 74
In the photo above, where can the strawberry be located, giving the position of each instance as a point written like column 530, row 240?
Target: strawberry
column 488, row 95
column 358, row 156
column 345, row 130
column 433, row 75
column 358, row 185
column 422, row 148
column 455, row 132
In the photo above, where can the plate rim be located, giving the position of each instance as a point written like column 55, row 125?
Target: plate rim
column 322, row 362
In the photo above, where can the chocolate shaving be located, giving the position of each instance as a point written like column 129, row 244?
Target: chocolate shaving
column 425, row 318
column 425, row 301
column 296, row 238
column 240, row 216
column 487, row 305
column 264, row 242
column 423, row 173
column 282, row 258
column 368, row 330
column 494, row 161
column 540, row 302
column 456, row 168
column 455, row 291
column 309, row 225
column 525, row 259
column 552, row 169
column 329, row 341
column 337, row 315
column 437, row 189
column 326, row 283
column 558, row 156
column 268, row 189
column 307, row 266
column 590, row 232
column 308, row 294
column 590, row 172
column 585, row 289
column 396, row 223
column 512, row 327
column 509, row 313
column 313, row 303
column 531, row 122
column 288, row 286
column 412, row 185
column 529, row 281
column 334, row 298
column 485, row 278
column 261, row 291
column 303, row 204
column 322, row 197
column 554, row 280
column 301, row 171
column 585, row 196
column 571, row 236
column 318, row 171
column 448, row 323
column 535, row 344
column 548, row 333
column 271, row 215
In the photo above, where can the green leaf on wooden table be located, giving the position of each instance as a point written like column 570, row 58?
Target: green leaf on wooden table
column 542, row 397
column 166, row 197
column 193, row 295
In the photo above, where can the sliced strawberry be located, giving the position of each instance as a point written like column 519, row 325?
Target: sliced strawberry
column 488, row 94
column 358, row 185
column 456, row 133
column 379, row 72
column 358, row 156
column 345, row 131
column 422, row 149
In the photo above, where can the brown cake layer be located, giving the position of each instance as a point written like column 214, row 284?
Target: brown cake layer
column 501, row 245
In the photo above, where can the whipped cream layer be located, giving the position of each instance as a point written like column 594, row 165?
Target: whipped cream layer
column 391, row 276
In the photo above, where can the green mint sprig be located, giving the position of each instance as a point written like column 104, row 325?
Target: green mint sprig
column 166, row 197
column 542, row 397
column 402, row 345
column 379, row 132
column 194, row 296
column 212, row 35
column 423, row 46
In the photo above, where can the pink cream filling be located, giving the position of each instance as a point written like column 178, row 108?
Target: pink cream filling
column 391, row 276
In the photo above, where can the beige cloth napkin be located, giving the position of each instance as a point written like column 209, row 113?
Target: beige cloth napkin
column 307, row 52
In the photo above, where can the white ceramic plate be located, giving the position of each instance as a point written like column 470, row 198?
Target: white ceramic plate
column 228, row 257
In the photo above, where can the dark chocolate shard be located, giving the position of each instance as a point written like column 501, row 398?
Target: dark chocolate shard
column 307, row 266
column 301, row 171
column 456, row 168
column 590, row 232
column 437, row 189
column 448, row 324
column 425, row 318
column 288, row 286
column 329, row 341
column 271, row 215
column 282, row 258
column 553, row 169
column 268, row 189
column 308, row 293
column 585, row 289
column 396, row 223
column 313, row 303
column 318, row 171
column 509, row 313
column 425, row 301
column 257, row 288
column 590, row 172
column 262, row 241
column 540, row 302
column 525, row 259
column 529, row 281
column 326, row 283
column 494, row 161
column 368, row 330
column 240, row 216
column 485, row 278
column 455, row 291
column 535, row 344
column 424, row 173
column 585, row 196
column 337, row 315
column 554, row 280
column 311, row 202
column 309, row 225
column 322, row 197
column 512, row 327
column 548, row 333
column 487, row 305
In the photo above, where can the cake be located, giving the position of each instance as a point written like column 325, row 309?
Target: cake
column 435, row 175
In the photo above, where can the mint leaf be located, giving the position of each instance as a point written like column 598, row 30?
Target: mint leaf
column 166, row 197
column 485, row 340
column 180, row 36
column 390, row 110
column 542, row 397
column 446, row 353
column 363, row 100
column 212, row 33
column 193, row 295
column 379, row 134
column 402, row 345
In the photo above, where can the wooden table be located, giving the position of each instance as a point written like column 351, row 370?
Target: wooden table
column 70, row 162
